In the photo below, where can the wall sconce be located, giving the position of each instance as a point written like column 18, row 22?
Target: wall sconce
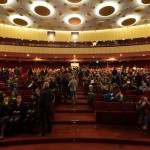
column 51, row 34
column 74, row 35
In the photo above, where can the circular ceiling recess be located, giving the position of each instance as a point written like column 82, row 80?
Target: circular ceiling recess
column 2, row 21
column 119, row 14
column 3, row 1
column 128, row 22
column 74, row 21
column 60, row 13
column 9, row 9
column 88, row 14
column 99, row 23
column 74, row 8
column 30, row 13
column 48, row 23
column 139, row 9
column 42, row 10
column 146, row 21
column 106, row 11
column 20, row 22
column 146, row 1
column 74, row 1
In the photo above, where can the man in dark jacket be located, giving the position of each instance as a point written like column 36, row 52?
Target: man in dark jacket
column 45, row 101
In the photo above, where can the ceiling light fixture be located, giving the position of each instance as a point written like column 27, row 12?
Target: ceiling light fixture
column 9, row 2
column 141, row 3
column 105, row 4
column 136, row 17
column 42, row 4
column 74, row 35
column 51, row 34
column 67, row 18
column 23, row 18
column 75, row 1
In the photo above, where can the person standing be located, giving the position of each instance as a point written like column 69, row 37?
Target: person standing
column 45, row 103
column 73, row 84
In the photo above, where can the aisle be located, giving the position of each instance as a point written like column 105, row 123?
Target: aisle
column 79, row 113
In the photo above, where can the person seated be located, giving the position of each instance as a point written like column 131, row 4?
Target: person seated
column 119, row 96
column 19, row 113
column 90, row 95
column 2, row 96
column 5, row 112
column 144, row 87
column 36, row 95
column 13, row 97
column 141, row 107
column 110, row 97
column 31, row 115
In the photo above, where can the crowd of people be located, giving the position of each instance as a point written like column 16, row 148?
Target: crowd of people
column 47, row 82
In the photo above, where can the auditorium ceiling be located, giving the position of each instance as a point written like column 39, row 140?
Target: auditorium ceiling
column 74, row 15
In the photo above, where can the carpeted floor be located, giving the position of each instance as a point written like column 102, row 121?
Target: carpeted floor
column 77, row 146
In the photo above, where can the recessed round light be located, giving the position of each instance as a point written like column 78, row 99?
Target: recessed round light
column 20, row 20
column 107, row 9
column 42, row 9
column 74, row 19
column 129, row 20
column 6, row 2
column 3, row 1
column 74, row 1
column 145, row 1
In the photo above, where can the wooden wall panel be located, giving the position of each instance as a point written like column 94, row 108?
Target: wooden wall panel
column 92, row 50
column 99, row 35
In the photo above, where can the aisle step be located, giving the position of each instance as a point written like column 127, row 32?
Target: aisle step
column 71, row 117
column 78, row 97
column 73, row 108
column 79, row 102
column 79, row 92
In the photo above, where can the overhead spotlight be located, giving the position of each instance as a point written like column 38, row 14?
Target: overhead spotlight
column 74, row 35
column 51, row 34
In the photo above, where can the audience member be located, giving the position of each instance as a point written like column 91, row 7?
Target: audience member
column 45, row 101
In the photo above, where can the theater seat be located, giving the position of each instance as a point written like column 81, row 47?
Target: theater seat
column 115, row 113
column 101, row 112
column 130, row 114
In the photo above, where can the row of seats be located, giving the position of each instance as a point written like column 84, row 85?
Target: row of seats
column 130, row 98
column 20, row 92
column 115, row 113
